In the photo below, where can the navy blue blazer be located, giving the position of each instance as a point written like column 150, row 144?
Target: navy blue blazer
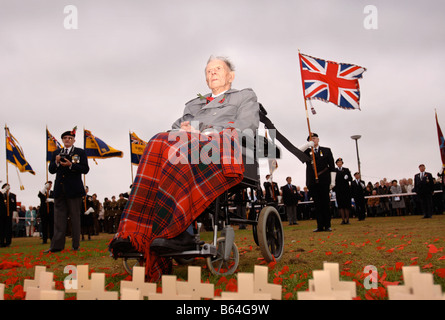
column 68, row 181
column 3, row 204
column 325, row 165
column 290, row 196
column 424, row 186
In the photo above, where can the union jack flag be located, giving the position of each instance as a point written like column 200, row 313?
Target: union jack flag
column 331, row 81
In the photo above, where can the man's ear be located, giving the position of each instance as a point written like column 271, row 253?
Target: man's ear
column 232, row 76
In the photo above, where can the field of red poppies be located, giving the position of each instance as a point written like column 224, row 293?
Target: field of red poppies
column 387, row 243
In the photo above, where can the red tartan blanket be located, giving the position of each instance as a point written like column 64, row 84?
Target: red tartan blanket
column 167, row 197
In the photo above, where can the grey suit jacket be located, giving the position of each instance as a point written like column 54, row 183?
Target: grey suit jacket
column 235, row 108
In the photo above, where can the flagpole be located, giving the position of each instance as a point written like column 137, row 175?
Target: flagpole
column 46, row 156
column 307, row 118
column 131, row 164
column 7, row 174
column 271, row 176
column 46, row 161
column 84, row 178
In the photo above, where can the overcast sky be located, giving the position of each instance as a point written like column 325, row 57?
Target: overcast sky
column 132, row 65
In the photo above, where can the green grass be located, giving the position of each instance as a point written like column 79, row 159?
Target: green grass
column 386, row 243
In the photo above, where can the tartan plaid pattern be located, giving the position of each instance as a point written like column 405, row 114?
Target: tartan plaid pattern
column 166, row 197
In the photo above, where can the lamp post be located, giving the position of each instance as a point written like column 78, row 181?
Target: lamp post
column 356, row 137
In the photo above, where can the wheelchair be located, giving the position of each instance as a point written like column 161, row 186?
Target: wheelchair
column 222, row 255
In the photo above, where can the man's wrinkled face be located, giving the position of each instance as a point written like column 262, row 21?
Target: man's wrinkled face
column 218, row 76
column 68, row 141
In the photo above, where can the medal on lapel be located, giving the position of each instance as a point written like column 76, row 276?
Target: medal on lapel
column 76, row 158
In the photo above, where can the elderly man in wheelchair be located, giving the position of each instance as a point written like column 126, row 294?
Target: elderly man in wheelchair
column 208, row 156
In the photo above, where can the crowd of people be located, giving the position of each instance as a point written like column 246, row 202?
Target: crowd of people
column 104, row 217
column 381, row 199
column 95, row 216
column 24, row 221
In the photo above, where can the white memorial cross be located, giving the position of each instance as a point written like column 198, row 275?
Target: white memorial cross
column 194, row 287
column 138, row 283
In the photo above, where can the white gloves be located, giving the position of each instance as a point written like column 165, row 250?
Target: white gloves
column 45, row 188
column 333, row 175
column 49, row 200
column 90, row 210
column 306, row 146
column 5, row 189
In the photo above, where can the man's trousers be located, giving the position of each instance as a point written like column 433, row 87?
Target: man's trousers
column 64, row 208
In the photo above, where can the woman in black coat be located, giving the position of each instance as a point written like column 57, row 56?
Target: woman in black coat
column 342, row 190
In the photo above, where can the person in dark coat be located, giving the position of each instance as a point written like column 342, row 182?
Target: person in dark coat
column 424, row 187
column 358, row 187
column 68, row 163
column 86, row 216
column 5, row 215
column 46, row 211
column 305, row 197
column 290, row 200
column 271, row 191
column 319, row 188
column 342, row 190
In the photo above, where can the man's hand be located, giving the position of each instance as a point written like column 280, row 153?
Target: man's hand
column 332, row 185
column 5, row 189
column 306, row 146
column 45, row 188
column 90, row 210
column 66, row 163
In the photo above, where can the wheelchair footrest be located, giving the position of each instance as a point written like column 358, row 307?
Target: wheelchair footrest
column 130, row 255
column 206, row 250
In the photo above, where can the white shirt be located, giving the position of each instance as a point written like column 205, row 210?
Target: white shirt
column 213, row 96
column 67, row 150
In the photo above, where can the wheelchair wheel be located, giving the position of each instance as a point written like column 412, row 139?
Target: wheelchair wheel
column 255, row 234
column 254, row 216
column 129, row 263
column 218, row 265
column 270, row 234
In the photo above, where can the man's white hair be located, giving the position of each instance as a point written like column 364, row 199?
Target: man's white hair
column 224, row 59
